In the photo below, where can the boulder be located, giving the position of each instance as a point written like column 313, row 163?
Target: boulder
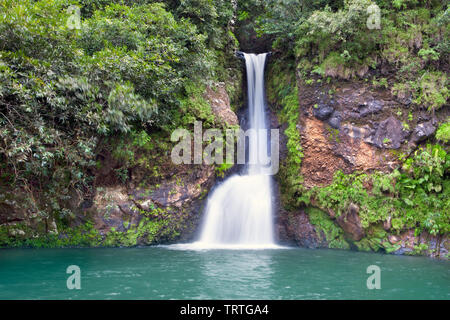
column 393, row 239
column 322, row 111
column 350, row 223
column 16, row 233
column 220, row 104
column 304, row 232
column 389, row 134
column 371, row 107
column 335, row 120
column 423, row 131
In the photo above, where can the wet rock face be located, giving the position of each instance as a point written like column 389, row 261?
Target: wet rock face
column 338, row 131
column 319, row 162
column 355, row 129
column 327, row 113
column 389, row 133
column 10, row 211
column 295, row 227
column 181, row 197
column 220, row 104
column 350, row 223
column 370, row 107
column 423, row 131
column 322, row 112
column 335, row 120
column 435, row 246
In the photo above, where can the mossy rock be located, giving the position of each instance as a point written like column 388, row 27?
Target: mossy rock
column 324, row 226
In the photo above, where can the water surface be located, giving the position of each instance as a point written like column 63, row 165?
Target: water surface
column 168, row 273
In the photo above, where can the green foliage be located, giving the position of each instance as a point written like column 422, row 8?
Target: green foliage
column 210, row 16
column 376, row 240
column 221, row 169
column 147, row 228
column 429, row 166
column 84, row 235
column 282, row 91
column 403, row 90
column 148, row 47
column 413, row 41
column 428, row 54
column 443, row 132
column 420, row 249
column 281, row 19
column 148, row 152
column 115, row 82
column 333, row 135
column 332, row 39
column 243, row 15
column 195, row 107
column 155, row 225
column 337, row 41
column 324, row 226
column 433, row 90
column 382, row 83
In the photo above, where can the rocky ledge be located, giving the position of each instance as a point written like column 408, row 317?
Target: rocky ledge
column 353, row 127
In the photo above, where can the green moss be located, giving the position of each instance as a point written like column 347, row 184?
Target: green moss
column 80, row 236
column 376, row 240
column 443, row 132
column 323, row 224
column 195, row 107
column 233, row 38
column 222, row 169
column 418, row 250
column 333, row 135
column 154, row 225
column 283, row 93
column 390, row 248
column 433, row 90
column 367, row 244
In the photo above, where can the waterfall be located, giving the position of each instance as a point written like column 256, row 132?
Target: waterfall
column 239, row 211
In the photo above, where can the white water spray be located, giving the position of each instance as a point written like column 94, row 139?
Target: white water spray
column 239, row 211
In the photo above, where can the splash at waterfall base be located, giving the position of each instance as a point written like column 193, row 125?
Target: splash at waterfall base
column 238, row 215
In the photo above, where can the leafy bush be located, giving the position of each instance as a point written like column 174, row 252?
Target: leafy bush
column 433, row 90
column 338, row 38
column 443, row 132
column 282, row 90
